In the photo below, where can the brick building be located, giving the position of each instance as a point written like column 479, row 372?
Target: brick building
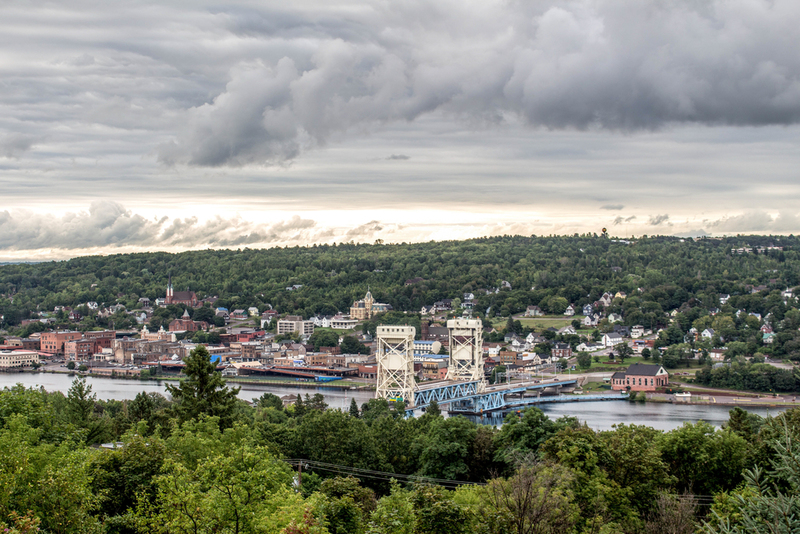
column 53, row 342
column 640, row 377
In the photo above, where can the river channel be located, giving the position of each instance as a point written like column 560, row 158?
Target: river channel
column 598, row 415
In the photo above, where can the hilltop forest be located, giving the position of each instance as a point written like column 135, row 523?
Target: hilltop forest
column 662, row 272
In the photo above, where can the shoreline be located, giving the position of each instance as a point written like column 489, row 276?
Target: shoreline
column 347, row 386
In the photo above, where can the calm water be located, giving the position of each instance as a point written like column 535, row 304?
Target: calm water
column 598, row 415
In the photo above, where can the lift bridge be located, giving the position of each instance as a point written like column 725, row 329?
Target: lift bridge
column 465, row 389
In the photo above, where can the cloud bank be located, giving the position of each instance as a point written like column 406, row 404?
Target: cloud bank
column 587, row 64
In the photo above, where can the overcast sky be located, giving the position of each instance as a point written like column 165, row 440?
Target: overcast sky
column 176, row 125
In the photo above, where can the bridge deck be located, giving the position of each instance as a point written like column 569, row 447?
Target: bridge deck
column 464, row 396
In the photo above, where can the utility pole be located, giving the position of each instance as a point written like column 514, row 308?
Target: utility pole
column 300, row 476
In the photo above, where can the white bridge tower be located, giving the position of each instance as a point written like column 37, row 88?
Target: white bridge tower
column 395, row 358
column 466, row 351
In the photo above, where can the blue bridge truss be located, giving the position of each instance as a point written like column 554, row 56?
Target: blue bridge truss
column 464, row 396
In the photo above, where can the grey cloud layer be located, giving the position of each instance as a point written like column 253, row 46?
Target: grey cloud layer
column 258, row 83
column 575, row 65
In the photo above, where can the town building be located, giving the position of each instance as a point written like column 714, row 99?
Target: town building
column 53, row 342
column 10, row 359
column 561, row 350
column 640, row 377
column 365, row 308
column 295, row 323
column 187, row 298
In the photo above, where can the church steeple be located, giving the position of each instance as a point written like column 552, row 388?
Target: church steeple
column 169, row 289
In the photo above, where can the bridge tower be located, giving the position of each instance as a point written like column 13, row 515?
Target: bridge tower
column 466, row 351
column 395, row 358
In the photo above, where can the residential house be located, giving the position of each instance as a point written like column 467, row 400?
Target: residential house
column 723, row 298
column 637, row 331
column 614, row 318
column 640, row 377
column 561, row 350
column 570, row 311
column 768, row 338
column 568, row 331
column 239, row 314
column 587, row 309
column 591, row 320
column 534, row 311
column 612, row 339
column 624, row 331
column 252, row 311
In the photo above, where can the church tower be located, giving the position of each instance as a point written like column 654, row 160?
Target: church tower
column 368, row 302
column 169, row 290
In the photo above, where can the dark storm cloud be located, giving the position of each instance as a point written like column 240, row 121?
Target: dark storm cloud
column 602, row 64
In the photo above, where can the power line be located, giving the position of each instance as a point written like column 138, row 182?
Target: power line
column 378, row 475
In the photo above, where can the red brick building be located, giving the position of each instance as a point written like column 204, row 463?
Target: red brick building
column 562, row 350
column 103, row 338
column 187, row 298
column 53, row 342
column 640, row 377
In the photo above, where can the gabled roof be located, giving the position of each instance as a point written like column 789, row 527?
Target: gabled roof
column 643, row 369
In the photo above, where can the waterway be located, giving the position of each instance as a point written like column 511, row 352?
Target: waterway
column 598, row 415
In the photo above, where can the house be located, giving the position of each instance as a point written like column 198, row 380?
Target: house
column 637, row 331
column 591, row 320
column 568, row 331
column 561, row 350
column 92, row 305
column 534, row 311
column 624, row 331
column 612, row 339
column 756, row 315
column 620, row 295
column 640, row 377
column 588, row 310
column 708, row 333
column 614, row 318
column 253, row 311
column 239, row 314
column 570, row 311
column 723, row 298
column 533, row 339
column 588, row 347
column 768, row 338
column 606, row 299
column 766, row 329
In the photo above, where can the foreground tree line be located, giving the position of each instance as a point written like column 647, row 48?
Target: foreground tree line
column 207, row 462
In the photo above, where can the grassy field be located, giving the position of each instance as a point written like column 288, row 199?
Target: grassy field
column 537, row 323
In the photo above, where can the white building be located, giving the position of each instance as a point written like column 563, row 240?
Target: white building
column 612, row 339
column 10, row 359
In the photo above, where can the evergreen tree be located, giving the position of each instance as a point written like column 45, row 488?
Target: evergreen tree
column 203, row 391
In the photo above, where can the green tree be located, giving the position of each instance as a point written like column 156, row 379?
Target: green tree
column 770, row 503
column 71, row 365
column 203, row 392
column 351, row 345
column 584, row 360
